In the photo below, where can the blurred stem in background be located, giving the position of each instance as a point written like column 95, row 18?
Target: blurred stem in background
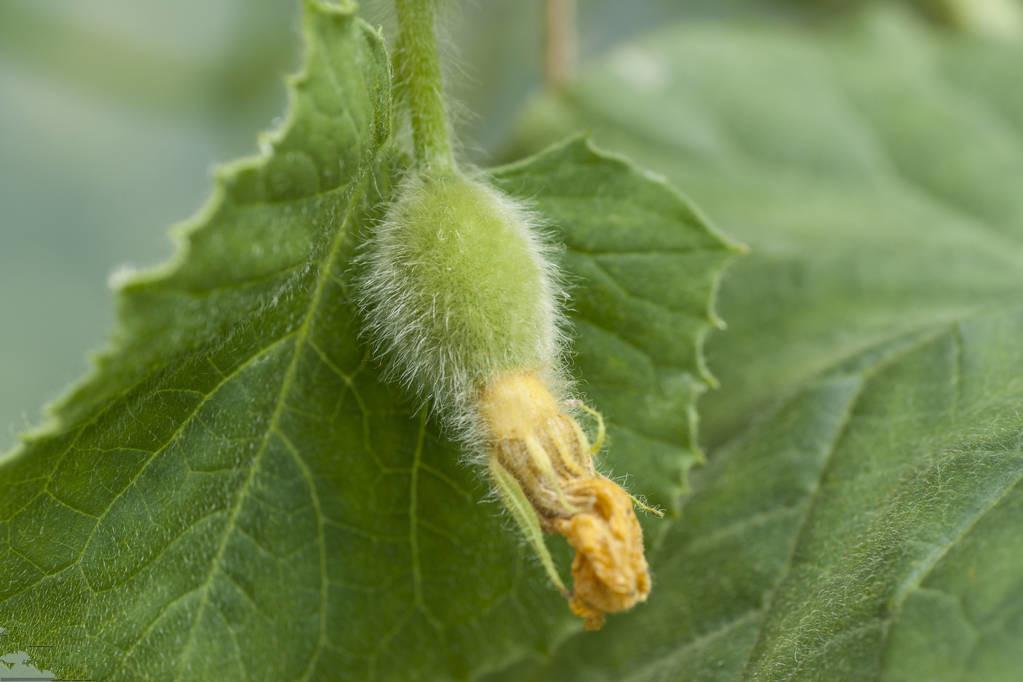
column 561, row 43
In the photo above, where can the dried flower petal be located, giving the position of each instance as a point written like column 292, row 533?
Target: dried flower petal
column 609, row 572
column 532, row 440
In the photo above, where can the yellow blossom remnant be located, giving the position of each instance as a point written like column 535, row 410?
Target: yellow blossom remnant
column 541, row 458
column 609, row 572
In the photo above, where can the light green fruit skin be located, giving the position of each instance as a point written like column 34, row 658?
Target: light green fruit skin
column 458, row 289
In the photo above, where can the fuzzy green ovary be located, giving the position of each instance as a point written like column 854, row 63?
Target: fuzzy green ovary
column 472, row 273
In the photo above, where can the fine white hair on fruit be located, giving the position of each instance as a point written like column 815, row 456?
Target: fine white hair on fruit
column 456, row 285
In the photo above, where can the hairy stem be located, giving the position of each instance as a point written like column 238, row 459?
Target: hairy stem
column 418, row 71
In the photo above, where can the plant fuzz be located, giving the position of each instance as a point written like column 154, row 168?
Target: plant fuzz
column 460, row 300
column 458, row 289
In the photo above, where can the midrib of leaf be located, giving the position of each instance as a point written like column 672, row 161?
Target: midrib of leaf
column 912, row 582
column 809, row 504
column 811, row 501
column 808, row 507
column 351, row 189
column 301, row 338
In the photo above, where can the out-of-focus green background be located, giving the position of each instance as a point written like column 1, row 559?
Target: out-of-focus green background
column 113, row 112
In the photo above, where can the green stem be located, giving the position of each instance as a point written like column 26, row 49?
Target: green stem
column 418, row 71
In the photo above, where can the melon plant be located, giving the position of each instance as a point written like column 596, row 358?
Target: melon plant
column 390, row 415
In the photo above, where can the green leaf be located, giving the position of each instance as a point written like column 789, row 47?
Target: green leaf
column 859, row 518
column 235, row 494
